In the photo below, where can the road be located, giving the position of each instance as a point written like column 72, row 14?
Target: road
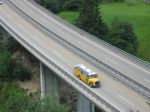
column 112, row 91
column 116, row 60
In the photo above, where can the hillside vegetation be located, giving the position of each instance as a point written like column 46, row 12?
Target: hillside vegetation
column 13, row 74
column 133, row 11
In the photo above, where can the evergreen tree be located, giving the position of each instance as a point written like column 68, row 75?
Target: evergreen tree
column 122, row 36
column 90, row 19
column 51, row 5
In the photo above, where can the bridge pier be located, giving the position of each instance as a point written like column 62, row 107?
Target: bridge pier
column 48, row 81
column 84, row 104
column 49, row 85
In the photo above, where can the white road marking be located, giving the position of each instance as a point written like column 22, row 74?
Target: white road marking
column 110, row 60
column 9, row 16
column 58, row 54
column 21, row 26
column 147, row 80
column 126, row 100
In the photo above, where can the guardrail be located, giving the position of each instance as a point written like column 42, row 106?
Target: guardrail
column 116, row 74
column 92, row 37
column 76, row 82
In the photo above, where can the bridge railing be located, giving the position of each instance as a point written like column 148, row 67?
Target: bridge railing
column 56, row 68
column 92, row 37
column 116, row 74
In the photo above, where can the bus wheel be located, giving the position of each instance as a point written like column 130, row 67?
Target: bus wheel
column 79, row 77
column 90, row 84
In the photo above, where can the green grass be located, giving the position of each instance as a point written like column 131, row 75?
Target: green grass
column 69, row 16
column 7, row 89
column 133, row 11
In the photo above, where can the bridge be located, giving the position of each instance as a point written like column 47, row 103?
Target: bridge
column 60, row 46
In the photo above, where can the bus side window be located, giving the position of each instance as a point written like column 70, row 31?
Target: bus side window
column 84, row 72
column 81, row 71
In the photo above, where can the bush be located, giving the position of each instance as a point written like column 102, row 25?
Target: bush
column 12, row 98
column 6, row 65
column 1, row 46
column 15, row 99
column 52, row 5
column 21, row 73
column 17, row 102
column 112, row 0
column 72, row 5
column 122, row 36
column 48, row 104
column 11, row 45
column 9, row 70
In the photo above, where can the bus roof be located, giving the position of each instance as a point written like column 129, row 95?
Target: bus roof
column 81, row 66
column 89, row 71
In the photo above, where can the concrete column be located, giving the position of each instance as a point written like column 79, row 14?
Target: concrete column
column 42, row 81
column 84, row 104
column 48, row 81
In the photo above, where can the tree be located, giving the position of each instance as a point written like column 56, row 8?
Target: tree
column 10, row 70
column 52, row 5
column 11, row 45
column 47, row 104
column 122, row 36
column 17, row 102
column 112, row 0
column 90, row 19
column 73, row 5
column 6, row 65
column 21, row 103
column 12, row 97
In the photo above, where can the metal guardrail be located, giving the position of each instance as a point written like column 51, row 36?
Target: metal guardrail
column 92, row 37
column 92, row 94
column 116, row 74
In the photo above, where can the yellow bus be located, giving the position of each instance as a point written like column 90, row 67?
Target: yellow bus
column 87, row 75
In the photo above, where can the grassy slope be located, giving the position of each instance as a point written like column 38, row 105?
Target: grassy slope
column 133, row 11
column 6, row 90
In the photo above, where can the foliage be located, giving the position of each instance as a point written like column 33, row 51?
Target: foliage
column 52, row 5
column 21, row 73
column 57, row 5
column 112, row 0
column 9, row 70
column 16, row 102
column 6, row 65
column 11, row 45
column 72, row 5
column 15, row 99
column 137, row 14
column 11, row 96
column 1, row 46
column 90, row 19
column 1, row 32
column 47, row 104
column 122, row 36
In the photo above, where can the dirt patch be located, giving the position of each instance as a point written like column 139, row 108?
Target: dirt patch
column 31, row 86
column 32, row 64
